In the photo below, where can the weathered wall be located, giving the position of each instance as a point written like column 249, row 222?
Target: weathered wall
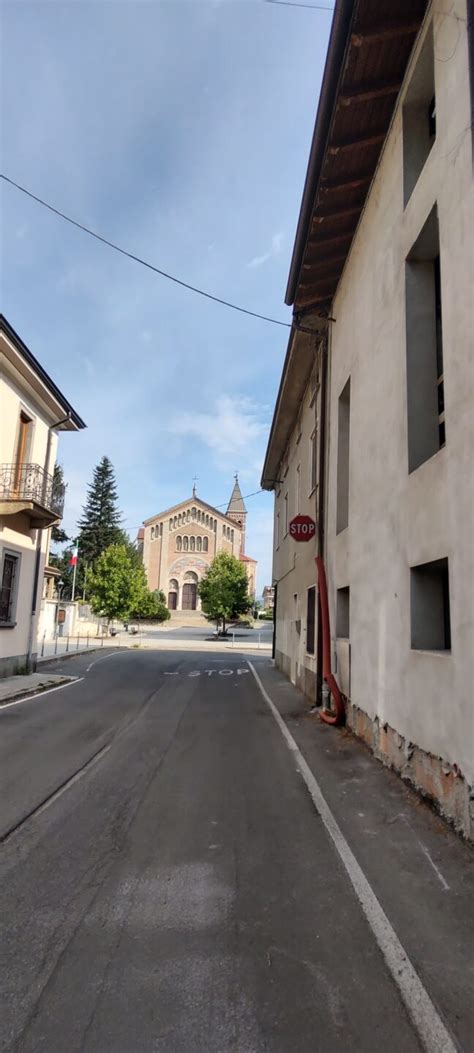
column 398, row 520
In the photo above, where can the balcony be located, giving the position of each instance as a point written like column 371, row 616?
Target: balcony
column 28, row 489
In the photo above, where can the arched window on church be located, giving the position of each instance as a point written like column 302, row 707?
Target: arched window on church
column 185, row 544
column 193, row 513
column 199, row 515
column 232, row 536
column 199, row 544
column 171, row 524
column 176, row 522
column 152, row 533
column 179, row 543
column 207, row 520
column 192, row 544
column 223, row 530
column 205, row 544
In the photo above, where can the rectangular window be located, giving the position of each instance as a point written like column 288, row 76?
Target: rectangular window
column 424, row 347
column 343, row 613
column 313, row 461
column 419, row 117
column 430, row 617
column 343, row 440
column 298, row 490
column 22, row 448
column 310, row 618
column 9, row 587
column 286, row 514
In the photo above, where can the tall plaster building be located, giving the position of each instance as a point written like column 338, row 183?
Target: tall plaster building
column 180, row 543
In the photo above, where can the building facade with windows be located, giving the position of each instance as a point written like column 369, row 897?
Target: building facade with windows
column 180, row 544
column 33, row 410
column 373, row 428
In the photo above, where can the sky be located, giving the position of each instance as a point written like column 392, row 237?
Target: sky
column 181, row 131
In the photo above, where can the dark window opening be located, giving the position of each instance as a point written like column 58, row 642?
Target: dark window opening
column 8, row 590
column 343, row 613
column 310, row 618
column 430, row 613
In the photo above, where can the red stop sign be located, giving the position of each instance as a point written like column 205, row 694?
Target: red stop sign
column 302, row 528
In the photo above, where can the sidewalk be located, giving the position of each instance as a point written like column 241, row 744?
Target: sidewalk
column 420, row 870
column 14, row 687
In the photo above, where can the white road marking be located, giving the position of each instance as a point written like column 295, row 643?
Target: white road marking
column 172, row 674
column 103, row 658
column 37, row 694
column 75, row 778
column 429, row 1025
column 435, row 868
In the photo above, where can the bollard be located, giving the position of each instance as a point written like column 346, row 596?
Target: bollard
column 67, row 643
column 42, row 645
column 87, row 641
column 56, row 644
column 102, row 640
column 259, row 641
column 233, row 639
column 77, row 643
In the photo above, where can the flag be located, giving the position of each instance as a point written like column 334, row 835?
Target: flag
column 73, row 559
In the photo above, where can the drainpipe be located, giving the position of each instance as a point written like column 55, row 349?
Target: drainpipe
column 34, row 597
column 320, row 508
column 275, row 597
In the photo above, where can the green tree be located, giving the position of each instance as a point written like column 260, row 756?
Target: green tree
column 99, row 526
column 151, row 607
column 58, row 535
column 224, row 589
column 117, row 586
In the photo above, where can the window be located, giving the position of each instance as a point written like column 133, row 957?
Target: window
column 22, row 447
column 185, row 544
column 205, row 544
column 9, row 587
column 223, row 530
column 430, row 616
column 298, row 489
column 192, row 544
column 313, row 461
column 424, row 347
column 343, row 612
column 286, row 513
column 199, row 544
column 419, row 117
column 199, row 515
column 343, row 437
column 310, row 618
column 232, row 536
column 152, row 533
column 179, row 543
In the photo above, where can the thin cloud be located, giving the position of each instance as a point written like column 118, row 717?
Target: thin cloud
column 274, row 250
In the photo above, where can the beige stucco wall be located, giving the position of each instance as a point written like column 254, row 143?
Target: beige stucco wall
column 293, row 562
column 396, row 519
column 15, row 532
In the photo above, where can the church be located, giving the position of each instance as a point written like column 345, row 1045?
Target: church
column 180, row 543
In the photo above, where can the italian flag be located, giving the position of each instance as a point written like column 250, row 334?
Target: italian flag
column 73, row 559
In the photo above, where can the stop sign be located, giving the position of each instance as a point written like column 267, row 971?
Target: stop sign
column 302, row 528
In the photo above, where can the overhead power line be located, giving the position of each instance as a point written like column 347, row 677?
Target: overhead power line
column 222, row 505
column 287, row 3
column 150, row 266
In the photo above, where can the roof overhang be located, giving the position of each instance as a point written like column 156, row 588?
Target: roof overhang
column 369, row 49
column 368, row 53
column 21, row 365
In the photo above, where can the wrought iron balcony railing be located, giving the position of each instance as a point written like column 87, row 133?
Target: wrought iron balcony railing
column 30, row 482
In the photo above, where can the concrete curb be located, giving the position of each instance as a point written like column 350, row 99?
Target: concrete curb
column 70, row 654
column 30, row 692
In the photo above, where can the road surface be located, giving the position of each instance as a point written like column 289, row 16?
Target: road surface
column 167, row 883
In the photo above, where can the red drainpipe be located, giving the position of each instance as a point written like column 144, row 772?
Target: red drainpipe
column 326, row 715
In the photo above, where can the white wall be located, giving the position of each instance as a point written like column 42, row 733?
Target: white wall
column 396, row 519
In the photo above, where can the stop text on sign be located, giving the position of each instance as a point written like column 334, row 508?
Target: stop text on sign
column 302, row 528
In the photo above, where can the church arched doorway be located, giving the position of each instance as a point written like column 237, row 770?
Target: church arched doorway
column 189, row 595
column 173, row 595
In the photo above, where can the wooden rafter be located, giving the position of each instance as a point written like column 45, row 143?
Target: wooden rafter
column 345, row 184
column 364, row 140
column 321, row 217
column 366, row 92
column 387, row 31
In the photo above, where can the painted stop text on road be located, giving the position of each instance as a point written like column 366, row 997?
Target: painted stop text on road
column 209, row 672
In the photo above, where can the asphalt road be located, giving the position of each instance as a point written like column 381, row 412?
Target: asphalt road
column 166, row 883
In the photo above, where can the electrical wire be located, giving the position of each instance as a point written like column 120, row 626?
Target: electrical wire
column 150, row 266
column 223, row 503
column 287, row 3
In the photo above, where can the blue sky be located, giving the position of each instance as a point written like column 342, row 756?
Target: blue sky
column 180, row 130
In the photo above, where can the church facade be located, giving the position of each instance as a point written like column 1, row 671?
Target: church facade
column 180, row 543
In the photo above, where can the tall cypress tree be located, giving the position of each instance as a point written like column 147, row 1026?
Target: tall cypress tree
column 99, row 525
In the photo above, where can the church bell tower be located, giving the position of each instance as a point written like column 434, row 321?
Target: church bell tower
column 237, row 511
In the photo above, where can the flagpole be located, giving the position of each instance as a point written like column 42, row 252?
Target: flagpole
column 74, row 580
